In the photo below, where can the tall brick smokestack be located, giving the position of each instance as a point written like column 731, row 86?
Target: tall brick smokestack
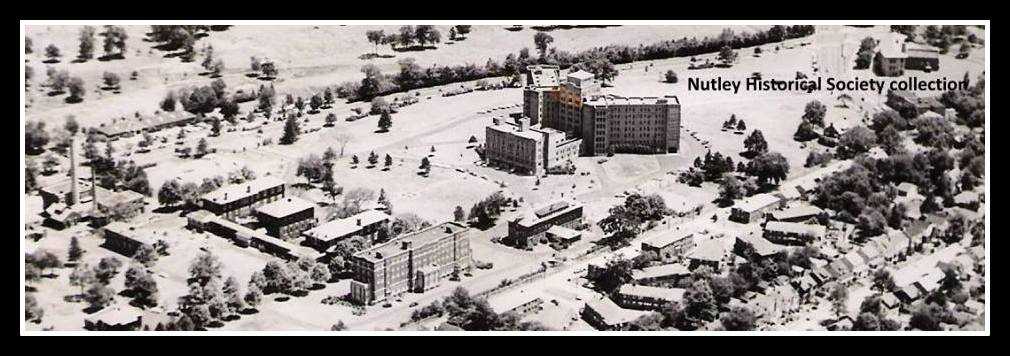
column 75, row 193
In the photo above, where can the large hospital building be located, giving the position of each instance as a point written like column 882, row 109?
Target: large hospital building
column 574, row 106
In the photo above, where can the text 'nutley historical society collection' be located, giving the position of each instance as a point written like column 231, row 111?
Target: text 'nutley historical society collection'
column 820, row 83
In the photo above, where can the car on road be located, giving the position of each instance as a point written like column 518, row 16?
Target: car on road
column 412, row 304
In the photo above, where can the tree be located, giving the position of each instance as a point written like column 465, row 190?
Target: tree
column 57, row 80
column 331, row 119
column 253, row 296
column 671, row 76
column 871, row 222
column 76, row 88
column 108, row 268
column 208, row 58
column 375, row 38
column 373, row 159
column 805, row 132
column 43, row 259
column 965, row 50
column 755, row 143
column 28, row 45
column 146, row 255
column 232, row 295
column 462, row 31
column 315, row 102
column 839, row 297
column 700, row 306
column 727, row 55
column 71, row 125
column 82, row 276
column 385, row 121
column 622, row 224
column 75, row 252
column 459, row 215
column 542, row 40
column 33, row 312
column 864, row 57
column 730, row 189
column 115, row 41
column 269, row 69
column 111, row 80
column 769, row 167
column 204, row 268
column 53, row 53
column 856, row 140
column 452, row 33
column 739, row 319
column 291, row 131
column 601, row 67
column 388, row 161
column 170, row 193
column 142, row 285
column 425, row 165
column 814, row 113
column 883, row 281
column 86, row 50
column 36, row 137
column 168, row 104
column 98, row 296
column 201, row 147
column 427, row 34
column 926, row 317
column 320, row 273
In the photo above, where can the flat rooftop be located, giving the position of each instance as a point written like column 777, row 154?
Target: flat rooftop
column 709, row 250
column 611, row 99
column 611, row 313
column 417, row 239
column 796, row 212
column 235, row 192
column 509, row 300
column 666, row 239
column 339, row 228
column 513, row 129
column 673, row 269
column 757, row 202
column 547, row 212
column 543, row 76
column 285, row 207
column 668, row 294
column 796, row 228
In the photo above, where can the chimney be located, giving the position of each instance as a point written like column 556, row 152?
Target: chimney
column 524, row 124
column 448, row 229
column 359, row 222
column 405, row 245
column 496, row 121
column 248, row 189
column 94, row 190
column 75, row 194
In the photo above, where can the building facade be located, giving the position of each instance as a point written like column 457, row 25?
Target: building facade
column 412, row 263
column 612, row 123
column 531, row 229
column 528, row 149
column 605, row 123
column 287, row 218
column 241, row 200
column 670, row 247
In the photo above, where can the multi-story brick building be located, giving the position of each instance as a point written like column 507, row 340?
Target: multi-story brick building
column 612, row 123
column 287, row 218
column 541, row 92
column 241, row 200
column 670, row 247
column 576, row 106
column 529, row 149
column 416, row 262
column 531, row 229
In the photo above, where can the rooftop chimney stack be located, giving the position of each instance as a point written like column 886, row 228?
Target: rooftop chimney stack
column 405, row 245
column 524, row 124
column 359, row 222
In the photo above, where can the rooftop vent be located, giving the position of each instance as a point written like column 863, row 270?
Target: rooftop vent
column 406, row 245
